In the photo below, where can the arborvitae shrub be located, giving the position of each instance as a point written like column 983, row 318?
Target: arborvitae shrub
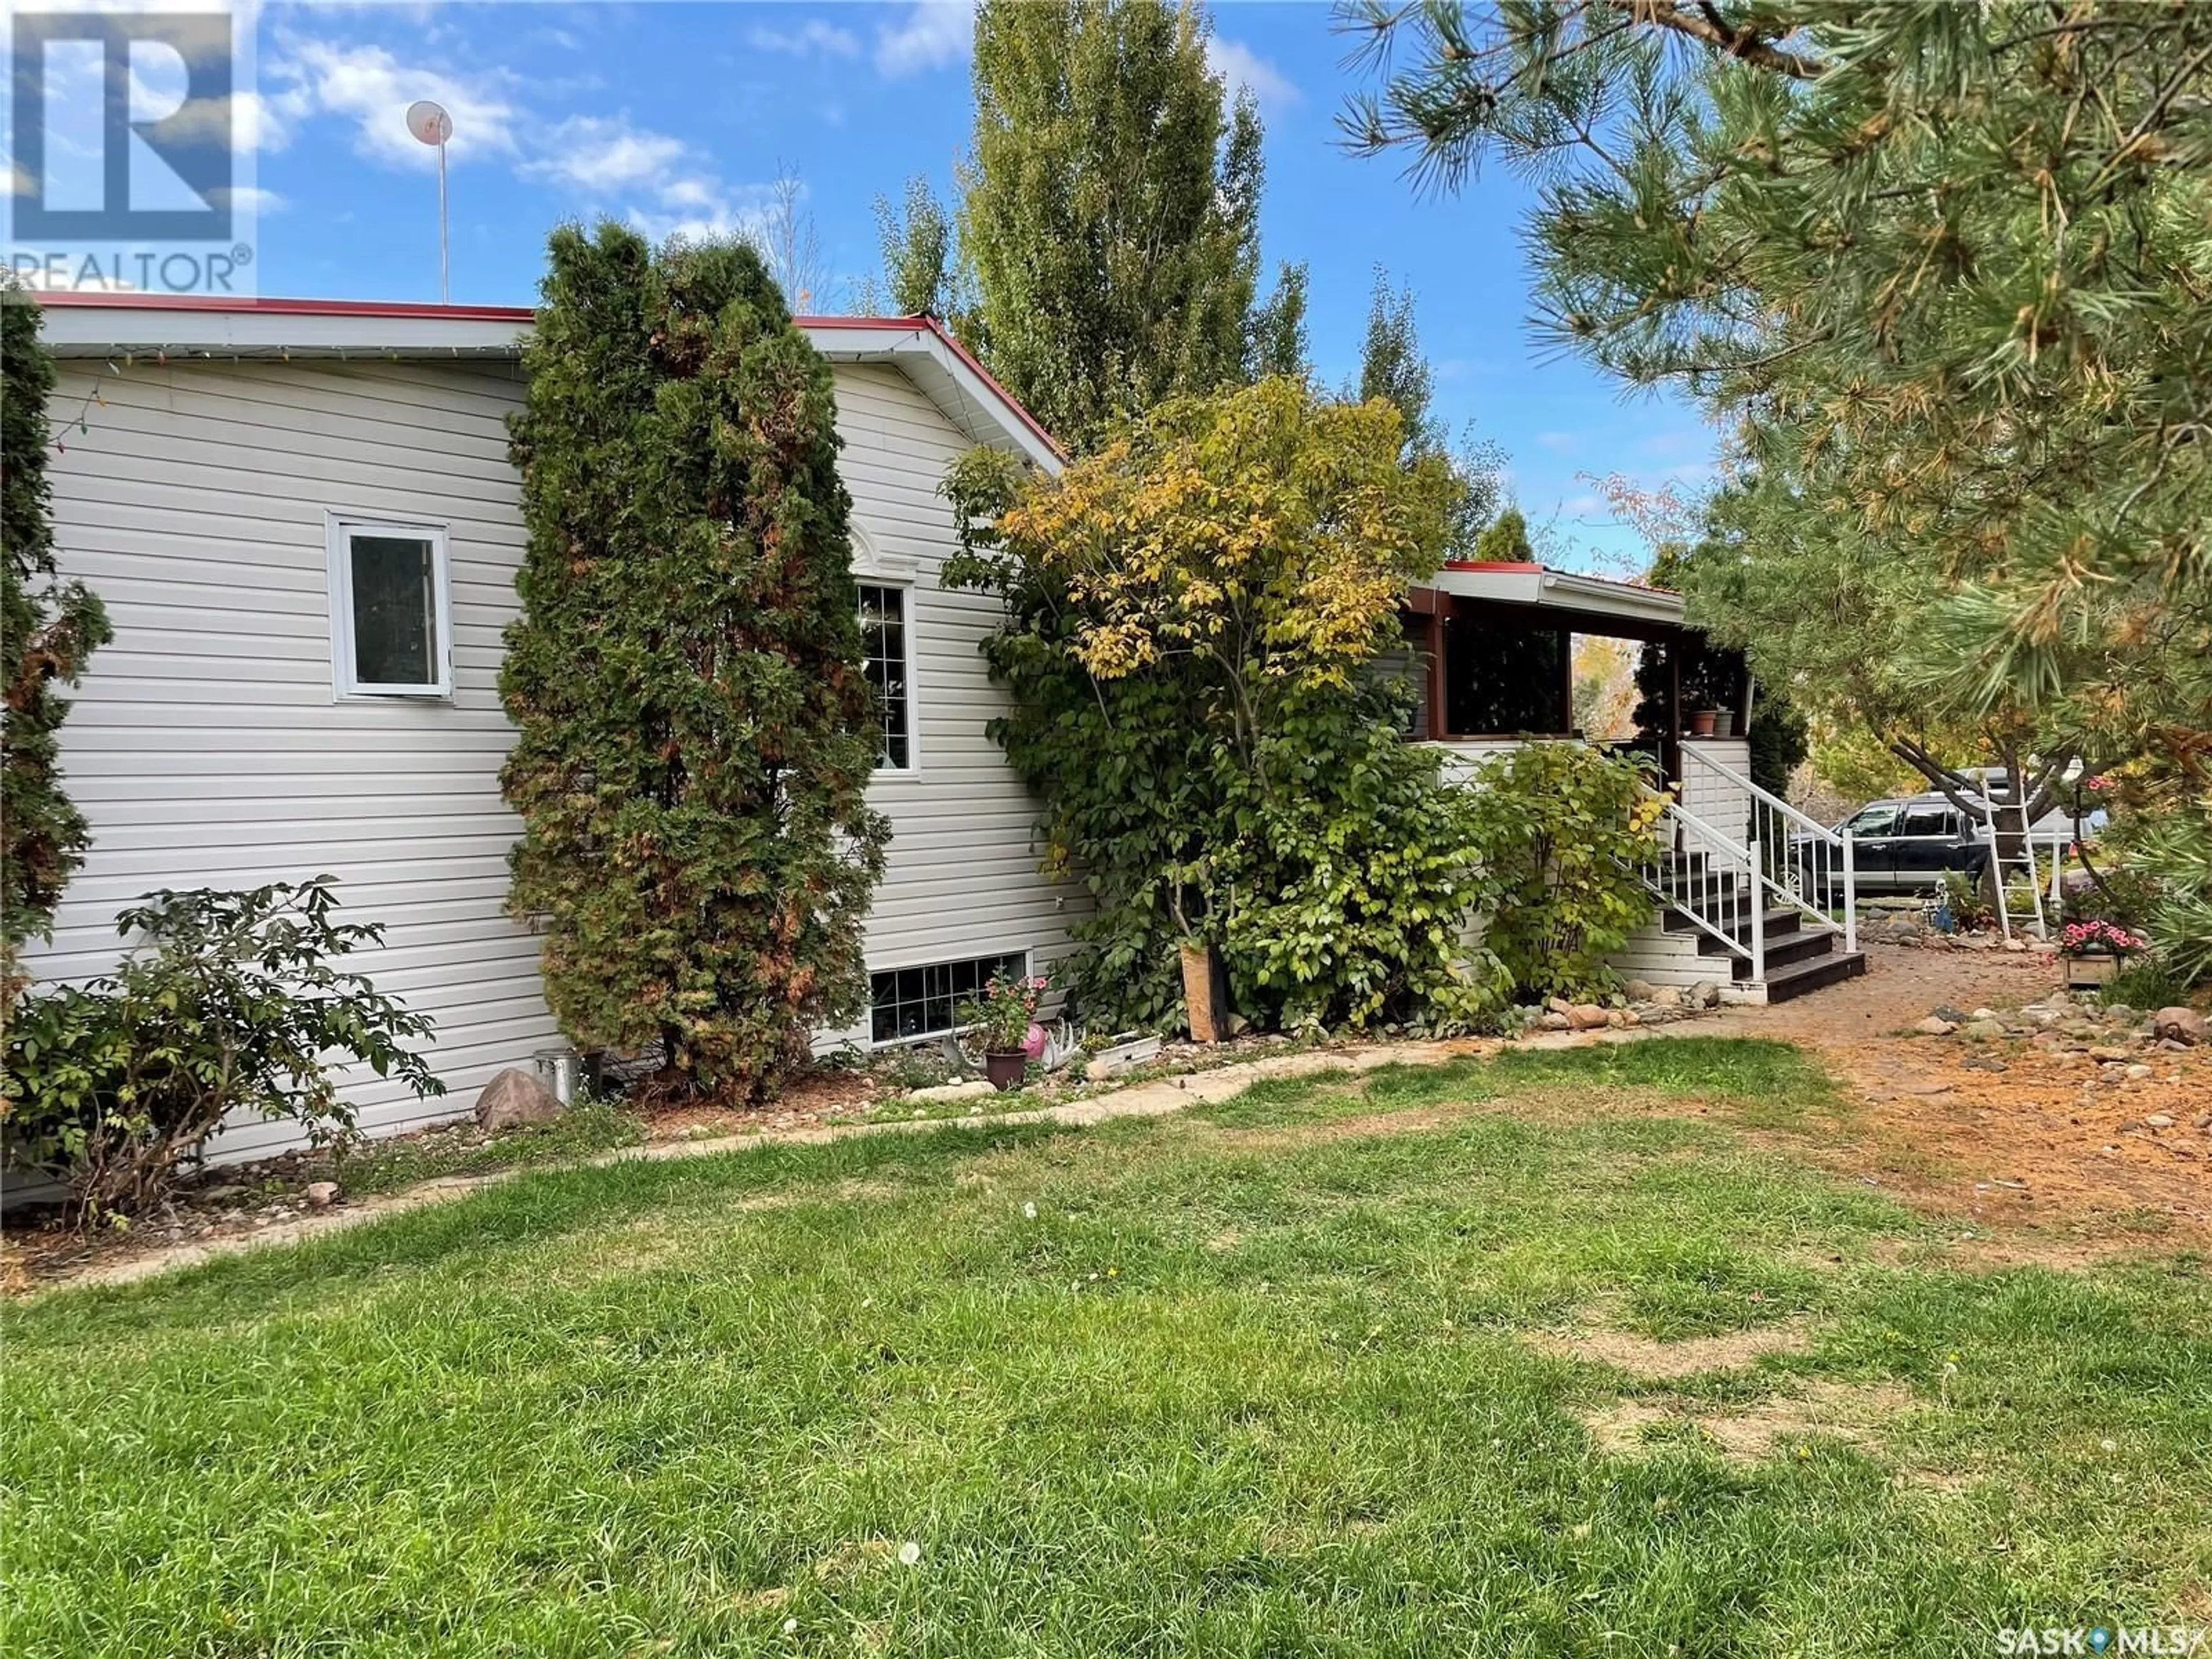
column 696, row 732
column 47, row 630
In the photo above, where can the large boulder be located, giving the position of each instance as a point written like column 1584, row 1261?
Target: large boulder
column 513, row 1098
column 2178, row 1025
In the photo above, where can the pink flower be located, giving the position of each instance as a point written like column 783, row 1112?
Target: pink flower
column 2100, row 783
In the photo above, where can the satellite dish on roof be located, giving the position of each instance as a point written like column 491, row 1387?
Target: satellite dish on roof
column 428, row 120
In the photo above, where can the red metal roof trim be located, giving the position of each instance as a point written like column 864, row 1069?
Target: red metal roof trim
column 518, row 315
column 110, row 300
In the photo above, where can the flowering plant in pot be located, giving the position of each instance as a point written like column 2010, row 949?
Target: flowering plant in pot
column 1001, row 1018
column 2091, row 951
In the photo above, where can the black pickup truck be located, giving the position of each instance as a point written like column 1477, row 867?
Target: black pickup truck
column 1905, row 845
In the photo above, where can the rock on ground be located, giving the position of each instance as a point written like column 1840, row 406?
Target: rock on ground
column 973, row 1088
column 513, row 1098
column 2178, row 1025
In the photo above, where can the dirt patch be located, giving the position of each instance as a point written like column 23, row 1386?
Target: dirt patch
column 823, row 1095
column 1748, row 1434
column 2053, row 1144
column 1642, row 1356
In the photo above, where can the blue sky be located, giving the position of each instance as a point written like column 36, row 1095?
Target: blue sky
column 680, row 116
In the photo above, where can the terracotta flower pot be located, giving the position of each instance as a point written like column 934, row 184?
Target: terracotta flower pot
column 1005, row 1068
column 1703, row 721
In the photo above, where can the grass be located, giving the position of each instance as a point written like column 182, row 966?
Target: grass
column 1261, row 1378
column 386, row 1166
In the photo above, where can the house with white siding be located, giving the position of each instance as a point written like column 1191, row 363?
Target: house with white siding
column 243, row 482
column 257, row 488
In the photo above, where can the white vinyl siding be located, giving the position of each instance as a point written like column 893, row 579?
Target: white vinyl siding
column 962, row 879
column 206, row 748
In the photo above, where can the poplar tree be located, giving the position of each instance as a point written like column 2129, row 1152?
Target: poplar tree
column 1110, row 209
column 47, row 630
column 695, row 733
column 921, row 257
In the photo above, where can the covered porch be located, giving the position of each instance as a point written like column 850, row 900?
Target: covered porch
column 1490, row 650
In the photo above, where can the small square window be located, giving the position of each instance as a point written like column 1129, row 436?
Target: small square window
column 884, row 650
column 390, row 610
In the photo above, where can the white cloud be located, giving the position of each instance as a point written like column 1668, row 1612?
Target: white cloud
column 248, row 198
column 812, row 39
column 662, row 185
column 600, row 154
column 1243, row 69
column 372, row 89
column 930, row 34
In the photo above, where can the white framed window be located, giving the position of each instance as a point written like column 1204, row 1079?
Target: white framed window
column 905, row 1004
column 887, row 652
column 391, row 608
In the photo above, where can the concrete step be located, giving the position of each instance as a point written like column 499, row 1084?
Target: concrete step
column 1733, row 912
column 1803, row 978
column 1782, row 949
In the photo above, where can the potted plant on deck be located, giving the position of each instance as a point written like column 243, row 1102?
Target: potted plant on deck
column 1002, row 1018
column 2090, row 952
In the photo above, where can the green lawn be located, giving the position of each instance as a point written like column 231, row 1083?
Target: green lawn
column 1293, row 1374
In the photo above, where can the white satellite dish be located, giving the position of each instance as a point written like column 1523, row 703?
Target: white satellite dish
column 428, row 120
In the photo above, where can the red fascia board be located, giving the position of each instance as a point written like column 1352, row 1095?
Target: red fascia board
column 518, row 315
column 1516, row 567
column 111, row 300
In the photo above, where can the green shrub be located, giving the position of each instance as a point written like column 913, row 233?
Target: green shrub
column 1189, row 612
column 695, row 730
column 2145, row 983
column 1968, row 898
column 111, row 1085
column 1560, row 828
column 48, row 628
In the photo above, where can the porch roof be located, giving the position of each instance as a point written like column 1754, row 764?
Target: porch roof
column 1585, row 605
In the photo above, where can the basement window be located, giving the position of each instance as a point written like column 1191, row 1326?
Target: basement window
column 907, row 1003
column 391, row 609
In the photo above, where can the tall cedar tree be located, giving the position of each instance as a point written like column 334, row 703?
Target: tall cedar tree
column 697, row 733
column 47, row 630
column 1110, row 209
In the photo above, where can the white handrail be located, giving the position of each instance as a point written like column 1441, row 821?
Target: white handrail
column 1698, row 897
column 1828, row 862
column 1758, row 793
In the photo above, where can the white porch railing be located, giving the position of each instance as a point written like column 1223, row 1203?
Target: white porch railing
column 1712, row 880
column 1801, row 863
